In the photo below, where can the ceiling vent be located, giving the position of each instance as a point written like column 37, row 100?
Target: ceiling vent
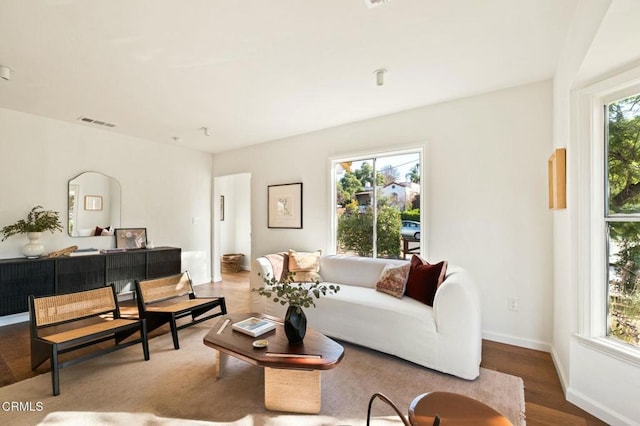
column 96, row 122
column 374, row 3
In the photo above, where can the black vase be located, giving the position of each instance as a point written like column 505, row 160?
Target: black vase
column 295, row 324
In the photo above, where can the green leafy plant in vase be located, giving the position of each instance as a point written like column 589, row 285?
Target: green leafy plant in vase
column 297, row 296
column 38, row 221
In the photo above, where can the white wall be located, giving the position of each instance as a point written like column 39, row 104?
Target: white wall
column 603, row 385
column 163, row 186
column 486, row 165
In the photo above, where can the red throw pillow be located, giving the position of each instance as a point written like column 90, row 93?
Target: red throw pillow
column 424, row 280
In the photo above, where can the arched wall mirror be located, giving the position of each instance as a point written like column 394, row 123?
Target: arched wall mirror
column 94, row 205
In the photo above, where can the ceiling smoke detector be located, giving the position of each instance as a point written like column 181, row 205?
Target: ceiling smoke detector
column 374, row 3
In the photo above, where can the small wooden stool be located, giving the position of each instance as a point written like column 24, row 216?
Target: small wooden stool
column 453, row 409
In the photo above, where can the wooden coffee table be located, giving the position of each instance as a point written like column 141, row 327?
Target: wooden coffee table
column 292, row 372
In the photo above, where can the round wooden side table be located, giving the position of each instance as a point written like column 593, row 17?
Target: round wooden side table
column 453, row 409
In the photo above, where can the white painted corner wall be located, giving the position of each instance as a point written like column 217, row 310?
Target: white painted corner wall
column 486, row 159
column 165, row 188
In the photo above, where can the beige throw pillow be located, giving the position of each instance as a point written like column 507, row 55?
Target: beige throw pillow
column 394, row 279
column 305, row 266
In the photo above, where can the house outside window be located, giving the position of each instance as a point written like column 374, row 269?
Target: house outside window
column 622, row 218
column 373, row 195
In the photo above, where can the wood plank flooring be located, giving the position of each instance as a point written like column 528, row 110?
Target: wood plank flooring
column 545, row 402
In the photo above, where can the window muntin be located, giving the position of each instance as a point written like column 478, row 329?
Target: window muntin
column 622, row 218
column 381, row 189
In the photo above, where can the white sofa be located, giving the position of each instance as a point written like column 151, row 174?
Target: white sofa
column 445, row 337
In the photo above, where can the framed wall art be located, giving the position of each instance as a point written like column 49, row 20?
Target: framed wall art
column 285, row 206
column 557, row 179
column 93, row 202
column 131, row 238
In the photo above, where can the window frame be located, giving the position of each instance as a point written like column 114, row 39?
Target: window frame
column 592, row 212
column 366, row 155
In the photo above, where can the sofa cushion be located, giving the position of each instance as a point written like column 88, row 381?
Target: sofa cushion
column 305, row 266
column 354, row 270
column 393, row 279
column 424, row 279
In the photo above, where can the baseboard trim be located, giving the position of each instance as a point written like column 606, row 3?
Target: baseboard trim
column 14, row 318
column 517, row 341
column 559, row 371
column 600, row 411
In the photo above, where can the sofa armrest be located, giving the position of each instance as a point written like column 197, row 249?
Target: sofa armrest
column 457, row 314
column 260, row 268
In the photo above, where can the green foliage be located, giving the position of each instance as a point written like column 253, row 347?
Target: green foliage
column 413, row 214
column 388, row 230
column 623, row 319
column 624, row 155
column 347, row 188
column 301, row 295
column 414, row 174
column 364, row 174
column 38, row 220
column 355, row 232
column 623, row 164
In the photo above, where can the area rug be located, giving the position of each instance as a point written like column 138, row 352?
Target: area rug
column 179, row 387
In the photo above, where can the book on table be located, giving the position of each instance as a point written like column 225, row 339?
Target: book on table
column 254, row 326
column 84, row 252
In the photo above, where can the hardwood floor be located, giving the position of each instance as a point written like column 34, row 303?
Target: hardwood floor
column 545, row 402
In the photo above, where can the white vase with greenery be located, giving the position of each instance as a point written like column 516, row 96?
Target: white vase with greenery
column 38, row 221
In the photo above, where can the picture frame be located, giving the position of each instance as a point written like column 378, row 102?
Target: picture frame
column 131, row 238
column 93, row 202
column 284, row 208
column 557, row 179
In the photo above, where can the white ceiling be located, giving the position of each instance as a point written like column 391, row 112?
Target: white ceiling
column 256, row 70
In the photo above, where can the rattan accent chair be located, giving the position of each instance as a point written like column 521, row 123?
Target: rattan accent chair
column 68, row 322
column 167, row 299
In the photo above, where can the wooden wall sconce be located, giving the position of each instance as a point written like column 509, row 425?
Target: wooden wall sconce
column 558, row 179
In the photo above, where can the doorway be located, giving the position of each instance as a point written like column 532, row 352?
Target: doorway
column 231, row 220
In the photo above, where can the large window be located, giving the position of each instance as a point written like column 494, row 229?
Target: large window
column 377, row 205
column 622, row 218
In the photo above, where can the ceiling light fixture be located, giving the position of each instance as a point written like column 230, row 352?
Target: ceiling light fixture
column 5, row 73
column 379, row 73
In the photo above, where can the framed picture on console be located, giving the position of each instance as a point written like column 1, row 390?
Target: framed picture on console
column 285, row 206
column 131, row 238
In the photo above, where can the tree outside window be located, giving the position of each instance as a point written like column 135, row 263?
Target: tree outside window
column 622, row 217
column 382, row 190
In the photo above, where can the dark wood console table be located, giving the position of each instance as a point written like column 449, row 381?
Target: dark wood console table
column 22, row 277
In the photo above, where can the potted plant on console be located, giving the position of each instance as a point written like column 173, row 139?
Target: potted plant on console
column 297, row 295
column 38, row 221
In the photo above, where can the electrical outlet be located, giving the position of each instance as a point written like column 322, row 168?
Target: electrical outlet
column 512, row 303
